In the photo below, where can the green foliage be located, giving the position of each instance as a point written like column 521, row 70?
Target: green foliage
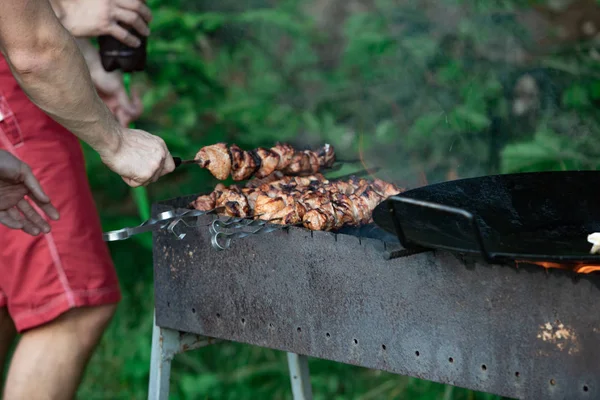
column 410, row 93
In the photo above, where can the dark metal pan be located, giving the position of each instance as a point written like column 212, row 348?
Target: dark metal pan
column 542, row 216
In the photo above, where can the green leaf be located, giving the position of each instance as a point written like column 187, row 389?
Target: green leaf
column 451, row 72
column 424, row 127
column 471, row 119
column 195, row 385
column 594, row 89
column 386, row 132
column 542, row 153
column 274, row 17
column 576, row 97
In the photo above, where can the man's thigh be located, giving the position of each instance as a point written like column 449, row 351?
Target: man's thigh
column 42, row 277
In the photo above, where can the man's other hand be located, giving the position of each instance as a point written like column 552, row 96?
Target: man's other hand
column 112, row 91
column 16, row 182
column 141, row 158
column 88, row 18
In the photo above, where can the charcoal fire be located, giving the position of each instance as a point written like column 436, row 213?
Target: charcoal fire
column 313, row 201
column 582, row 268
column 222, row 161
column 577, row 268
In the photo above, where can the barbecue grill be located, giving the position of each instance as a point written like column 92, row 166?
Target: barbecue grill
column 360, row 297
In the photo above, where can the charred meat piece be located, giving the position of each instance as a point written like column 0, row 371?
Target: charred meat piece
column 359, row 210
column 326, row 156
column 251, row 195
column 304, row 162
column 243, row 164
column 315, row 220
column 234, row 201
column 266, row 206
column 216, row 159
column 371, row 199
column 268, row 162
column 205, row 202
column 256, row 182
column 261, row 162
column 385, row 189
column 288, row 215
column 343, row 209
column 312, row 201
column 295, row 166
column 296, row 207
column 313, row 160
column 285, row 153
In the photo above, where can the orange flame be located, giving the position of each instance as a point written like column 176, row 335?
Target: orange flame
column 578, row 268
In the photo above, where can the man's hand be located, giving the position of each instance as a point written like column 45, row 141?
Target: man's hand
column 112, row 91
column 48, row 65
column 88, row 18
column 140, row 158
column 109, row 86
column 16, row 182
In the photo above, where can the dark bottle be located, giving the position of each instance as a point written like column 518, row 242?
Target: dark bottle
column 117, row 55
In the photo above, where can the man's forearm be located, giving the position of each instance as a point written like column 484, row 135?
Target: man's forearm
column 50, row 68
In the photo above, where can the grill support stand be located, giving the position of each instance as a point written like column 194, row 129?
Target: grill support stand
column 300, row 376
column 166, row 343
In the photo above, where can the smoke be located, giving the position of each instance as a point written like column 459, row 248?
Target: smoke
column 426, row 90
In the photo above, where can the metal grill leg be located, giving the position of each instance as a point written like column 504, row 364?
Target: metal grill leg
column 160, row 363
column 166, row 343
column 300, row 376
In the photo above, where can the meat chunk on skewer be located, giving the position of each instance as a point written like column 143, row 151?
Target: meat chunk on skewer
column 385, row 189
column 256, row 182
column 312, row 201
column 216, row 159
column 315, row 220
column 243, row 164
column 326, row 156
column 234, row 201
column 222, row 161
column 266, row 207
column 268, row 162
column 285, row 153
column 205, row 202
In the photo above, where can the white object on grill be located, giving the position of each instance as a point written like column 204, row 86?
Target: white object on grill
column 594, row 239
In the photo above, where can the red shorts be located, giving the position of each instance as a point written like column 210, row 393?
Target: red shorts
column 42, row 277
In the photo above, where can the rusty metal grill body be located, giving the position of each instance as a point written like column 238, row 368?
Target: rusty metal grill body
column 522, row 332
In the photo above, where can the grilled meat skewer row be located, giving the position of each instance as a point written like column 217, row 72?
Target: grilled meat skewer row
column 313, row 201
column 222, row 161
column 296, row 186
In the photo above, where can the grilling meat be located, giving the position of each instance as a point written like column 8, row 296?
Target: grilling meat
column 216, row 159
column 313, row 201
column 261, row 163
column 242, row 163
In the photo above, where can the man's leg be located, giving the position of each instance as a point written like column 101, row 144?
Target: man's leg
column 60, row 288
column 7, row 336
column 50, row 360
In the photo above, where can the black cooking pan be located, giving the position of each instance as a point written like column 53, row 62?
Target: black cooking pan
column 542, row 216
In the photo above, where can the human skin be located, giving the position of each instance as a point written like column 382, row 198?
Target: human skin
column 51, row 70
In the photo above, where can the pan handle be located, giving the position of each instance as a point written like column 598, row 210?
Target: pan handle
column 439, row 207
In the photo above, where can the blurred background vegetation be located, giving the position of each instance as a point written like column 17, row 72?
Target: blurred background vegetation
column 428, row 90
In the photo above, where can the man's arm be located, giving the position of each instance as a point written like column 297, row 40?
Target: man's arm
column 48, row 65
column 50, row 68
